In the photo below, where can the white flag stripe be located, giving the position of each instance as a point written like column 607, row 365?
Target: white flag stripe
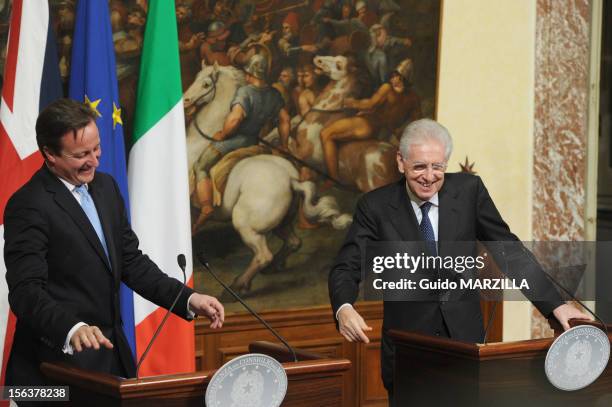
column 162, row 225
column 20, row 123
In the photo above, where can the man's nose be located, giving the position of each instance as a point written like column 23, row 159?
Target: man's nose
column 429, row 173
column 94, row 159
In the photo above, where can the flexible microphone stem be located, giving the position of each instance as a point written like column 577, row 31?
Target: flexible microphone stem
column 182, row 264
column 554, row 281
column 577, row 300
column 203, row 261
column 491, row 316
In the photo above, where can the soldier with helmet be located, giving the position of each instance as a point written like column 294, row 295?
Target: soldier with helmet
column 393, row 105
column 377, row 59
column 214, row 47
column 254, row 107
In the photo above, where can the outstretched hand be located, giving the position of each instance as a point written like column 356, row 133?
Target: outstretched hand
column 565, row 312
column 352, row 326
column 209, row 307
column 89, row 337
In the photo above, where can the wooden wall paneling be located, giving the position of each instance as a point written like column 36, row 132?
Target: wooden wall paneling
column 373, row 393
column 497, row 324
column 313, row 330
column 352, row 385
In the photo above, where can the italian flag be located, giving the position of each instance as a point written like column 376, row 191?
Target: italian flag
column 158, row 188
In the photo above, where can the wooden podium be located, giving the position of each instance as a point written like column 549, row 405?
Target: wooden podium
column 435, row 371
column 313, row 381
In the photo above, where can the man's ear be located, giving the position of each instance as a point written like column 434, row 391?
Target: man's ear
column 48, row 155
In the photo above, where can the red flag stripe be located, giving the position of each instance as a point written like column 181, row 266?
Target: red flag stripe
column 20, row 170
column 160, row 362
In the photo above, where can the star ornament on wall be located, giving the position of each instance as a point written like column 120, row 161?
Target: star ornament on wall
column 467, row 166
column 93, row 105
column 116, row 116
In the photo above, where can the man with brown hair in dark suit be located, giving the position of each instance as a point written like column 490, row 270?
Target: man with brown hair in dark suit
column 68, row 246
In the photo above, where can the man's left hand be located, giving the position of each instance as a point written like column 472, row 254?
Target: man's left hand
column 209, row 307
column 565, row 312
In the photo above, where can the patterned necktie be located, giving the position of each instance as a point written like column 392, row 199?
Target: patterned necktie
column 92, row 214
column 427, row 229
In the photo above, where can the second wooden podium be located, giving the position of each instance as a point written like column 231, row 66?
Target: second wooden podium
column 434, row 371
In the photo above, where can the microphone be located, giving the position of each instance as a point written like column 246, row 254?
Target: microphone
column 204, row 262
column 182, row 262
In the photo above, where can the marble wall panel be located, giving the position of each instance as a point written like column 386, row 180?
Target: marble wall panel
column 561, row 92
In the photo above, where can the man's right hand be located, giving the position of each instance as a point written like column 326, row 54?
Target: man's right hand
column 89, row 337
column 352, row 326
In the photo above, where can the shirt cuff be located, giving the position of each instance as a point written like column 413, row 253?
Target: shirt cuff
column 346, row 304
column 67, row 349
column 190, row 313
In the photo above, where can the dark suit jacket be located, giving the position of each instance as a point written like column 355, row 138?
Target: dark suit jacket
column 466, row 213
column 59, row 275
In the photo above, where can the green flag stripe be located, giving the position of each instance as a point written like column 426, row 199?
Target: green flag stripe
column 159, row 64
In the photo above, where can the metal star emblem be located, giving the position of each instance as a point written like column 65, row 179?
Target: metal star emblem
column 467, row 167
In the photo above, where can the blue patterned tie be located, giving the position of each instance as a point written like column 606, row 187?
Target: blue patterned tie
column 92, row 214
column 427, row 229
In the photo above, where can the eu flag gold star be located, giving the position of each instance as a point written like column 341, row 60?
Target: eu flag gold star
column 116, row 116
column 93, row 105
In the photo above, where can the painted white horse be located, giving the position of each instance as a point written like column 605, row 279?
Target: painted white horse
column 366, row 164
column 259, row 195
column 214, row 83
column 260, row 191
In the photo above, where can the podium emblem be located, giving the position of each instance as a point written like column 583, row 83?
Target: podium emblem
column 577, row 357
column 252, row 380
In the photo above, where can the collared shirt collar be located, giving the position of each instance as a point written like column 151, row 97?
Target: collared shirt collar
column 71, row 187
column 434, row 199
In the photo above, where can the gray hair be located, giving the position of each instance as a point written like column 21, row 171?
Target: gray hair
column 422, row 130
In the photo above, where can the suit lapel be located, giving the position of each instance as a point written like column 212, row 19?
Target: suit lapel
column 403, row 218
column 448, row 213
column 70, row 205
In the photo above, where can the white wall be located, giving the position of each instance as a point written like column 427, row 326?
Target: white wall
column 486, row 101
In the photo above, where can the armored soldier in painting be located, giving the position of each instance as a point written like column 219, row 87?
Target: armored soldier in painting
column 253, row 108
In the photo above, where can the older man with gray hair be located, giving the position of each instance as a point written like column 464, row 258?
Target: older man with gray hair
column 427, row 205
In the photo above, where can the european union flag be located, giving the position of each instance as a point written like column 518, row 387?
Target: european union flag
column 93, row 80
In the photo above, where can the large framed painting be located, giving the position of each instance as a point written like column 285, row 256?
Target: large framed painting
column 293, row 108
